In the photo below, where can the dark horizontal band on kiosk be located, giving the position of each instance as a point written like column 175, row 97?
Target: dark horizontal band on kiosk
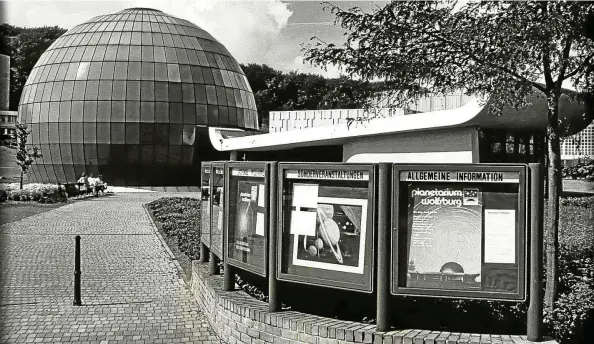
column 303, row 209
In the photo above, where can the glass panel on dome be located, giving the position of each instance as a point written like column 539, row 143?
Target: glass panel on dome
column 121, row 71
column 76, row 114
column 132, row 133
column 146, row 133
column 90, row 132
column 175, row 113
column 161, row 91
column 119, row 90
column 107, row 70
column 134, row 71
column 161, row 134
column 147, row 90
column 161, row 112
column 188, row 93
column 118, row 133
column 175, row 94
column 90, row 111
column 173, row 73
column 103, row 132
column 147, row 111
column 132, row 111
column 105, row 90
column 132, row 90
column 118, row 111
column 147, row 153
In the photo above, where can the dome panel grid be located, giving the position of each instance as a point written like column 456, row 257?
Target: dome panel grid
column 129, row 89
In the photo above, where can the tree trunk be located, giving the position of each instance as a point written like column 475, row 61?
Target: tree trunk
column 554, row 190
column 22, row 173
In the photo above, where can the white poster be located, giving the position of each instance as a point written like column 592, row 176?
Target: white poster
column 260, row 224
column 500, row 236
column 305, row 201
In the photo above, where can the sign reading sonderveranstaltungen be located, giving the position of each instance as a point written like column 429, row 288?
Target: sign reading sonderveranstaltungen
column 459, row 231
column 328, row 174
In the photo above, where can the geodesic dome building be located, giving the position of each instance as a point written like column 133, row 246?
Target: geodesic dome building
column 126, row 95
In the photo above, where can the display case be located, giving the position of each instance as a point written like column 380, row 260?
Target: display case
column 326, row 226
column 459, row 231
column 217, row 207
column 247, row 209
column 205, row 203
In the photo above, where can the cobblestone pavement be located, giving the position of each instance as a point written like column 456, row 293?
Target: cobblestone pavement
column 131, row 292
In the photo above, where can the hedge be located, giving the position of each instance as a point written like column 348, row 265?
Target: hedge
column 41, row 193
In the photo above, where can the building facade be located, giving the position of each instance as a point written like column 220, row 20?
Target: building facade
column 129, row 95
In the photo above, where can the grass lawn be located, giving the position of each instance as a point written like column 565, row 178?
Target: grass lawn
column 11, row 211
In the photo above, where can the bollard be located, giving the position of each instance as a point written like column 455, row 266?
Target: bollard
column 383, row 248
column 77, row 271
column 228, row 277
column 535, row 317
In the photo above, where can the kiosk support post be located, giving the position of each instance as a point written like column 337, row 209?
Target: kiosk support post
column 534, row 321
column 228, row 270
column 203, row 253
column 273, row 295
column 383, row 247
column 214, row 264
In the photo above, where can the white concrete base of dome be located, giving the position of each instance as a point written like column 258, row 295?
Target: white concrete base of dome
column 122, row 189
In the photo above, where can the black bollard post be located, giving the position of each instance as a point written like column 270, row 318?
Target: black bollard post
column 76, row 301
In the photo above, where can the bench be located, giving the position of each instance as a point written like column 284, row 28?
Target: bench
column 74, row 189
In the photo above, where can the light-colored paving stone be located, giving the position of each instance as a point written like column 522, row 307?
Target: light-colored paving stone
column 132, row 291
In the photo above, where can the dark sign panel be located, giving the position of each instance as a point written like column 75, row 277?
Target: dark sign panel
column 247, row 216
column 327, row 231
column 459, row 231
column 205, row 203
column 217, row 182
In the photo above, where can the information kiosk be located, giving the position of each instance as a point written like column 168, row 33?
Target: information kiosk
column 459, row 231
column 205, row 204
column 326, row 225
column 217, row 183
column 247, row 207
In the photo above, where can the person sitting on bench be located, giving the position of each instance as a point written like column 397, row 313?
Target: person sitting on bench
column 83, row 182
column 97, row 185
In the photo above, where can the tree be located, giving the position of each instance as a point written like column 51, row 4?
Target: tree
column 26, row 48
column 502, row 50
column 25, row 156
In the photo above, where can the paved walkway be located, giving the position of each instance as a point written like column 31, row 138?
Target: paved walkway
column 132, row 291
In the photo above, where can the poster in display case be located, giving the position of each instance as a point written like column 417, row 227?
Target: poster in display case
column 217, row 210
column 459, row 231
column 247, row 215
column 205, row 203
column 326, row 236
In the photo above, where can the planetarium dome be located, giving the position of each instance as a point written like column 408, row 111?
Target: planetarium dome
column 126, row 95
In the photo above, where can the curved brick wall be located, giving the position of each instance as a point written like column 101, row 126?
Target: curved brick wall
column 236, row 317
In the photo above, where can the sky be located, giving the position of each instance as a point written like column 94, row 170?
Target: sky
column 264, row 31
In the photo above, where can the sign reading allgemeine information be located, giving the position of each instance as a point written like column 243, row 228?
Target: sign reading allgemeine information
column 247, row 216
column 327, row 232
column 459, row 231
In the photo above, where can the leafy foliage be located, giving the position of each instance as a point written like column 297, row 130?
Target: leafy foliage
column 41, row 193
column 25, row 156
column 179, row 218
column 583, row 169
column 506, row 51
column 24, row 46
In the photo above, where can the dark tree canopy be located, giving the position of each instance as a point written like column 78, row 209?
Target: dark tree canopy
column 24, row 46
column 275, row 91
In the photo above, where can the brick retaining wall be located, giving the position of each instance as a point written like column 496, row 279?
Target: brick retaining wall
column 237, row 317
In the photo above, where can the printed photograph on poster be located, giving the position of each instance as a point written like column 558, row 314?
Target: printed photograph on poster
column 444, row 237
column 337, row 241
column 248, row 231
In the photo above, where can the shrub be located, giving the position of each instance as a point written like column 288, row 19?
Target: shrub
column 581, row 169
column 42, row 193
column 179, row 218
column 3, row 196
